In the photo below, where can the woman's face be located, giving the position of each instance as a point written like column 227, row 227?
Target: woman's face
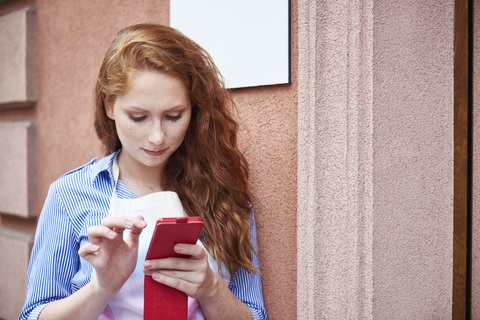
column 151, row 118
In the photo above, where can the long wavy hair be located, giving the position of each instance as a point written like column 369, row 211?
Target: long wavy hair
column 208, row 172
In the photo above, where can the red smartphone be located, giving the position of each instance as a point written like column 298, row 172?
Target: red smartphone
column 160, row 301
column 170, row 231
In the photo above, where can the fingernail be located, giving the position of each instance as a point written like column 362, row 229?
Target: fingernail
column 129, row 224
column 95, row 247
column 155, row 276
column 142, row 223
column 147, row 264
column 178, row 248
column 111, row 234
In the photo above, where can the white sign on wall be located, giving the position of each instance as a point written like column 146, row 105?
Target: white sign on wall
column 249, row 40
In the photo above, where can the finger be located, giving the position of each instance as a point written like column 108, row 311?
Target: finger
column 139, row 224
column 92, row 254
column 155, row 266
column 192, row 250
column 87, row 249
column 180, row 283
column 174, row 282
column 134, row 235
column 188, row 276
column 166, row 263
column 95, row 233
column 118, row 222
column 181, row 264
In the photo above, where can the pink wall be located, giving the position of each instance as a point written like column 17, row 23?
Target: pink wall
column 375, row 169
column 413, row 159
column 269, row 136
column 271, row 112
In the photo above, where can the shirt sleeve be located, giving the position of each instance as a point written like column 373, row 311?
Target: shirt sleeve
column 246, row 286
column 54, row 258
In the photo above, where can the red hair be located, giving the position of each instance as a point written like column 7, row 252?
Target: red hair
column 208, row 172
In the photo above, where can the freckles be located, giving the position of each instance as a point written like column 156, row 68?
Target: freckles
column 131, row 128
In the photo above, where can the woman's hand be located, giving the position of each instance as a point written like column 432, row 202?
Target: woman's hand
column 113, row 257
column 191, row 275
column 194, row 277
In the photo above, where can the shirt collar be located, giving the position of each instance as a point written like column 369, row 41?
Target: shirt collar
column 103, row 165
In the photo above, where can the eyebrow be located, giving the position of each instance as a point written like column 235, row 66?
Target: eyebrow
column 180, row 106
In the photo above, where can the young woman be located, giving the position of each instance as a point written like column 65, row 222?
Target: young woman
column 164, row 117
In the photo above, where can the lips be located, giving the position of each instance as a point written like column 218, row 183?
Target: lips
column 154, row 153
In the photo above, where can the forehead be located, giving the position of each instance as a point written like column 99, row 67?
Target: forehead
column 149, row 88
column 135, row 74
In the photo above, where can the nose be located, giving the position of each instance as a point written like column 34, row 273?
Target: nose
column 156, row 135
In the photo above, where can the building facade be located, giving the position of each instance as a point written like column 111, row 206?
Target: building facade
column 352, row 163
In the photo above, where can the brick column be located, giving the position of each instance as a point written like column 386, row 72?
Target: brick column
column 335, row 151
column 375, row 159
column 18, row 91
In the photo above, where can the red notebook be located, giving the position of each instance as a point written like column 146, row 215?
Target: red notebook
column 162, row 302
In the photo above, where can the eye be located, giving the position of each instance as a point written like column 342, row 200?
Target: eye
column 137, row 119
column 173, row 118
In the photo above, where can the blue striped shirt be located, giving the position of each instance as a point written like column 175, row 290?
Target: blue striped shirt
column 76, row 201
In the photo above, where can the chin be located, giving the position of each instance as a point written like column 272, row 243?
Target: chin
column 153, row 163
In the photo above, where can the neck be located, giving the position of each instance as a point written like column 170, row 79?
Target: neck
column 133, row 172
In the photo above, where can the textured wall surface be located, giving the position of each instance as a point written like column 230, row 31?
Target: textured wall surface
column 269, row 136
column 335, row 160
column 18, row 87
column 413, row 159
column 18, row 94
column 17, row 190
column 15, row 247
column 476, row 167
column 375, row 168
column 73, row 37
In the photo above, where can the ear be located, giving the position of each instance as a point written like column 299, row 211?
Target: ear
column 108, row 104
